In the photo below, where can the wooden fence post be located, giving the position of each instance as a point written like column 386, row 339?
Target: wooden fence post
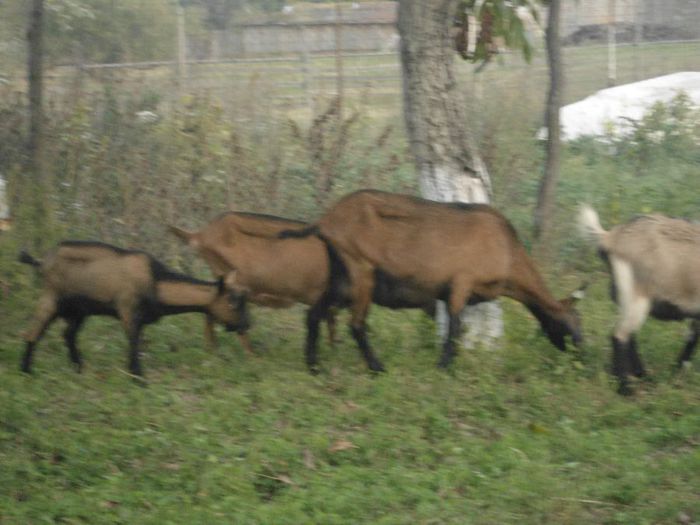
column 181, row 49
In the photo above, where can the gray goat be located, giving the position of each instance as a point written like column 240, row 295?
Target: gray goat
column 654, row 261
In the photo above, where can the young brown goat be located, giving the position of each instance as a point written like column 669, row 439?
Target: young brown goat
column 276, row 272
column 83, row 278
column 655, row 266
column 459, row 253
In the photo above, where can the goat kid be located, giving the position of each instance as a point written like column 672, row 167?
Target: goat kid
column 85, row 278
column 273, row 273
column 459, row 253
column 280, row 272
column 654, row 263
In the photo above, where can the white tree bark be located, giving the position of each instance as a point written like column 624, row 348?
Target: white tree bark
column 483, row 323
column 4, row 207
column 447, row 161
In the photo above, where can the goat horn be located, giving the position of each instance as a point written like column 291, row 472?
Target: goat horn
column 188, row 237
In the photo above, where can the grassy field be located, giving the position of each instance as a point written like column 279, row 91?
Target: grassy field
column 520, row 433
column 374, row 81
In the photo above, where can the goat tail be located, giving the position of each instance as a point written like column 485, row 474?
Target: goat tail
column 298, row 234
column 589, row 224
column 25, row 258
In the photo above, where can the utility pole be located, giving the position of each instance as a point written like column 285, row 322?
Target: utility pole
column 35, row 73
column 181, row 48
column 34, row 193
column 545, row 199
column 339, row 58
column 612, row 48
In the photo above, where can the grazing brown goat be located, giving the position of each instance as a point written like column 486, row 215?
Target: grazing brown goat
column 280, row 272
column 655, row 266
column 84, row 278
column 273, row 272
column 459, row 253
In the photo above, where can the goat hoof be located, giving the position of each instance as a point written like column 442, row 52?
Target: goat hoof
column 683, row 366
column 314, row 370
column 444, row 363
column 26, row 366
column 625, row 390
column 376, row 366
column 640, row 373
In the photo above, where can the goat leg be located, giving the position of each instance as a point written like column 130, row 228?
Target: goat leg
column 458, row 297
column 691, row 344
column 134, row 334
column 619, row 365
column 634, row 362
column 26, row 365
column 70, row 336
column 45, row 314
column 362, row 285
column 330, row 322
column 449, row 352
column 359, row 333
column 313, row 320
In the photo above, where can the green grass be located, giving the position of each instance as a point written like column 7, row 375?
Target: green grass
column 520, row 433
column 374, row 82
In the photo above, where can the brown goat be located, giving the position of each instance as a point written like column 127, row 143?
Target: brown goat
column 84, row 278
column 272, row 272
column 459, row 253
column 279, row 272
column 655, row 266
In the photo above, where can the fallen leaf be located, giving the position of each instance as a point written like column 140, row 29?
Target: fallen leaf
column 537, row 428
column 284, row 479
column 341, row 444
column 109, row 504
column 309, row 460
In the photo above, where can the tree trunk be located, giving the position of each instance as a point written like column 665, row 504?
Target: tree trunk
column 181, row 48
column 36, row 88
column 446, row 158
column 5, row 217
column 545, row 198
column 34, row 194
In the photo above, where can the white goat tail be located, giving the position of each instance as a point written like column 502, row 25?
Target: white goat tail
column 589, row 224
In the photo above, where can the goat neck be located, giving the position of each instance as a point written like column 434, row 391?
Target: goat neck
column 183, row 296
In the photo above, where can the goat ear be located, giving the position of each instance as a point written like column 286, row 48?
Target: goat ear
column 185, row 236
